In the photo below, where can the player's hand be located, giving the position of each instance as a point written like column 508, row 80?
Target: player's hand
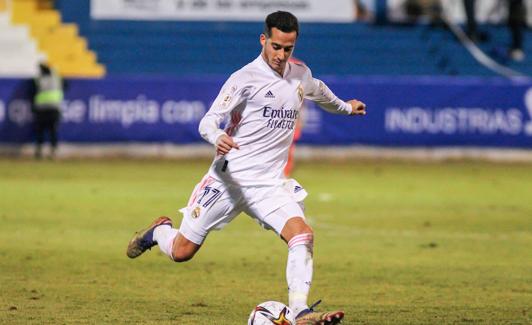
column 358, row 107
column 224, row 144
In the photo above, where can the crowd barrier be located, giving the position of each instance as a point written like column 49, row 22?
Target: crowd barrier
column 415, row 112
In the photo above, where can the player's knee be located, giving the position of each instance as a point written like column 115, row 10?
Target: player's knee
column 181, row 259
column 183, row 253
column 304, row 229
column 180, row 255
column 183, row 249
column 294, row 227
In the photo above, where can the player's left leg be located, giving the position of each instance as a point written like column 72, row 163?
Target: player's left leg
column 289, row 222
column 300, row 239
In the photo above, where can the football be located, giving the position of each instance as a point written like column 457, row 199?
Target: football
column 272, row 312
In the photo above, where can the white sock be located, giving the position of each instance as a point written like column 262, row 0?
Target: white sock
column 299, row 271
column 164, row 236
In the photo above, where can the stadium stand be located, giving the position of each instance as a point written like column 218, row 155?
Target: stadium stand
column 58, row 43
column 185, row 48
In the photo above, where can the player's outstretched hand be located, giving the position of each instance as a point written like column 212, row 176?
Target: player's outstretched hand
column 359, row 108
column 224, row 144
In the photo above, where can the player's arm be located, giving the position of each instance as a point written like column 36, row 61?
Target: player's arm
column 209, row 128
column 357, row 107
column 224, row 144
column 317, row 91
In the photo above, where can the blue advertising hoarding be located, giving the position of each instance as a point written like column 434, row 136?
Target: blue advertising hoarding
column 403, row 112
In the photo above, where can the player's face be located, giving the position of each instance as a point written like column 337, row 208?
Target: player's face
column 278, row 48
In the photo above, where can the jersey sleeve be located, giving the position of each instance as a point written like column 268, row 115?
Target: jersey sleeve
column 318, row 92
column 233, row 93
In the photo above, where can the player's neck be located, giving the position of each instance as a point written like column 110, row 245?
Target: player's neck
column 280, row 73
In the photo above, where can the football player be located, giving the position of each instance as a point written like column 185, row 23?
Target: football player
column 263, row 101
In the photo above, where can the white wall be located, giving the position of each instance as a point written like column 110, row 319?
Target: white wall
column 19, row 55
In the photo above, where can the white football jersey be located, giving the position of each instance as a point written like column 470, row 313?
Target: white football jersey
column 262, row 108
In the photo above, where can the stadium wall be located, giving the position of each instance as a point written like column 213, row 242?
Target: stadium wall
column 125, row 114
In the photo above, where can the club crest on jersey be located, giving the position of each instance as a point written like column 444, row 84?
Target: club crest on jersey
column 300, row 92
column 228, row 96
column 269, row 94
column 196, row 212
column 226, row 100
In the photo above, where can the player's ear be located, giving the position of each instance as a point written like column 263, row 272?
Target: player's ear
column 262, row 39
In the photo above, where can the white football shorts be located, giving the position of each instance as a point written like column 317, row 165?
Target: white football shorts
column 214, row 204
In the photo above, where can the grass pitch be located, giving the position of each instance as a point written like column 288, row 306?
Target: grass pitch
column 396, row 243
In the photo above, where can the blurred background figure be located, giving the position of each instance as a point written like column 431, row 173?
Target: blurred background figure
column 46, row 109
column 471, row 27
column 416, row 10
column 297, row 133
column 361, row 11
column 516, row 24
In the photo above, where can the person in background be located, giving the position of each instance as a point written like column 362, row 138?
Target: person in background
column 471, row 22
column 47, row 100
column 516, row 23
column 290, row 163
column 423, row 10
column 361, row 11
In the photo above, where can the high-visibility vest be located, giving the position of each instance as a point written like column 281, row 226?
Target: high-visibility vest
column 49, row 90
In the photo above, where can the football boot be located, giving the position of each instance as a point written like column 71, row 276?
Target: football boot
column 143, row 239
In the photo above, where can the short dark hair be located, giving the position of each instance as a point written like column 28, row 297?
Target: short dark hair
column 282, row 20
column 44, row 69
